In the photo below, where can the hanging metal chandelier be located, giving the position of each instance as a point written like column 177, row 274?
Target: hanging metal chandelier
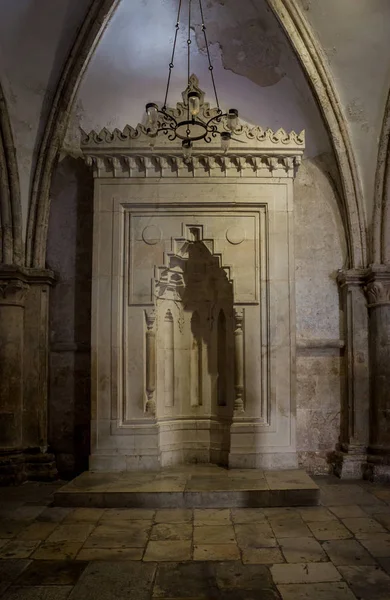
column 193, row 128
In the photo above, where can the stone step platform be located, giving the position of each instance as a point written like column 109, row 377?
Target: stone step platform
column 200, row 486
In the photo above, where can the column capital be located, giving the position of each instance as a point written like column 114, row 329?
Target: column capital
column 348, row 277
column 378, row 286
column 12, row 292
column 15, row 282
column 26, row 275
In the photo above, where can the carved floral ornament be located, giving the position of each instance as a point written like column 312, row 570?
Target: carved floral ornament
column 378, row 293
column 253, row 152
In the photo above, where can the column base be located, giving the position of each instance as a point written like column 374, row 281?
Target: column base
column 377, row 467
column 349, row 464
column 18, row 466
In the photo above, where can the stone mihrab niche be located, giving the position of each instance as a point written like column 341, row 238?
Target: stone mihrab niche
column 193, row 321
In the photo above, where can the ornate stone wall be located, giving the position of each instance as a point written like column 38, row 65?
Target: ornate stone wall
column 193, row 300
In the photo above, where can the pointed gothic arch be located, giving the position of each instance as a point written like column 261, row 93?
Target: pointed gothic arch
column 11, row 251
column 309, row 53
column 381, row 217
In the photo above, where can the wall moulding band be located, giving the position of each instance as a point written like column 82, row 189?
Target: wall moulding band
column 254, row 151
column 310, row 54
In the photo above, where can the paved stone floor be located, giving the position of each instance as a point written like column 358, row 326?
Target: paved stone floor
column 337, row 551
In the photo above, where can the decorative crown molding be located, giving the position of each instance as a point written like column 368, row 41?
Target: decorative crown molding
column 133, row 152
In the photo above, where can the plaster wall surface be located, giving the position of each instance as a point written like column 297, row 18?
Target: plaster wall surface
column 35, row 39
column 254, row 68
column 355, row 37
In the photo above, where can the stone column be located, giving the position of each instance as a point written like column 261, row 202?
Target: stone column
column 24, row 374
column 350, row 458
column 378, row 298
column 12, row 297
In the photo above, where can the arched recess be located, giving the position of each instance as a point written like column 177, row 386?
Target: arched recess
column 310, row 55
column 381, row 218
column 88, row 36
column 11, row 250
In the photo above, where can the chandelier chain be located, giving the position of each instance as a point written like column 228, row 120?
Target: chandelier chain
column 211, row 68
column 189, row 57
column 171, row 64
column 199, row 123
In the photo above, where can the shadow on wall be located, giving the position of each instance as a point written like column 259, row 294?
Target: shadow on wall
column 69, row 254
column 196, row 345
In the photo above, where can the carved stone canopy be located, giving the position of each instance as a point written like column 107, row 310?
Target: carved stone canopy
column 133, row 152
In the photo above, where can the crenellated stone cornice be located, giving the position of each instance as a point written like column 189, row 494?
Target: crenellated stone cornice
column 133, row 152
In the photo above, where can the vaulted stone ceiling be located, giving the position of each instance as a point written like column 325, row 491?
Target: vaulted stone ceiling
column 254, row 65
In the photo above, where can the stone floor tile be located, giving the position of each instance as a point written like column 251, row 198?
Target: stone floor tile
column 71, row 532
column 119, row 534
column 216, row 552
column 120, row 580
column 329, row 530
column 261, row 556
column 168, row 551
column 57, row 551
column 266, row 594
column 212, row 516
column 245, row 474
column 359, row 525
column 235, row 576
column 315, row 514
column 383, row 519
column 367, row 582
column 128, row 514
column 289, row 479
column 378, row 545
column 54, row 514
column 52, row 572
column 316, row 591
column 348, row 511
column 382, row 494
column 302, row 550
column 289, row 528
column 305, row 573
column 171, row 531
column 166, row 485
column 27, row 513
column 248, row 515
column 337, row 495
column 375, row 510
column 385, row 564
column 186, row 580
column 255, row 535
column 174, row 515
column 214, row 534
column 10, row 529
column 87, row 554
column 39, row 530
column 282, row 511
column 19, row 549
column 89, row 515
column 347, row 552
column 11, row 569
column 52, row 592
column 3, row 587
